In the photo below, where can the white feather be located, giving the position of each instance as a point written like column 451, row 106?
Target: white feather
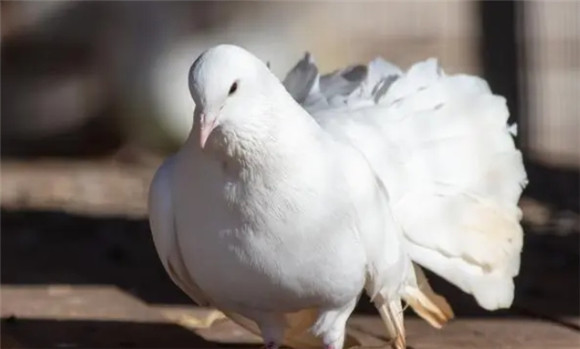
column 441, row 146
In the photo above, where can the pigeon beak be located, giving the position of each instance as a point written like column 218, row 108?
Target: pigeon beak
column 207, row 125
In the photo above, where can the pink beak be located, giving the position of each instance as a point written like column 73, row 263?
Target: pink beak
column 207, row 125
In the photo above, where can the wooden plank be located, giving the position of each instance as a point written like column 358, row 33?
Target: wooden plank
column 105, row 316
column 95, row 317
column 475, row 333
column 218, row 329
column 64, row 302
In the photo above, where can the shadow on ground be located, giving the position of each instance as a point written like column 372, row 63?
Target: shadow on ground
column 58, row 248
column 100, row 334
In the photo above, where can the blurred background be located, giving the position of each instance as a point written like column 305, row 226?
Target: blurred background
column 94, row 95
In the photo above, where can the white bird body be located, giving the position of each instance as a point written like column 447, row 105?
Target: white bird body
column 255, row 248
column 281, row 219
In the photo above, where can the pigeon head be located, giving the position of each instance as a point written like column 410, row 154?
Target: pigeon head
column 233, row 93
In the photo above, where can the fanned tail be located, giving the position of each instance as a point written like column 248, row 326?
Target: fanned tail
column 464, row 177
column 442, row 147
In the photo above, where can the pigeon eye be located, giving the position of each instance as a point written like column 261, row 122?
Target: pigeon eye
column 233, row 88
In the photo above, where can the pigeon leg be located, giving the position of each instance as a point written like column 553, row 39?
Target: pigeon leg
column 272, row 326
column 331, row 325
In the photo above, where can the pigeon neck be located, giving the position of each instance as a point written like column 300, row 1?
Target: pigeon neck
column 286, row 133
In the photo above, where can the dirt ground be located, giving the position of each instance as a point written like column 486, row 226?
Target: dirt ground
column 79, row 270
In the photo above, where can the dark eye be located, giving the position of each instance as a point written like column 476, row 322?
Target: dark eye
column 233, row 88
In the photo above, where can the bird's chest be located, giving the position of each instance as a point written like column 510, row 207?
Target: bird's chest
column 258, row 246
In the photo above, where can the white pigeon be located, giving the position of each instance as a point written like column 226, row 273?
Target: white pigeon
column 288, row 201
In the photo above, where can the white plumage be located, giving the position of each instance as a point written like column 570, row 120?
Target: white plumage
column 442, row 146
column 281, row 214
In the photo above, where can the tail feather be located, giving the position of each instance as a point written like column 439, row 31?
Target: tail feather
column 465, row 177
column 441, row 145
column 492, row 290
